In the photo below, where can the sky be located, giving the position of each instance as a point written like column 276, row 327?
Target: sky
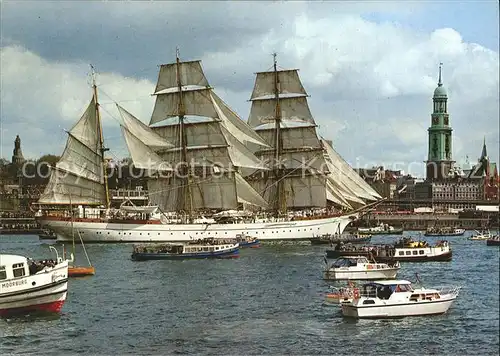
column 370, row 68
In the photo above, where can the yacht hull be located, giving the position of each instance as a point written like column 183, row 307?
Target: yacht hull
column 101, row 231
column 375, row 311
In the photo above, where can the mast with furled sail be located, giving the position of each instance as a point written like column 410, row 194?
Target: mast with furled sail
column 204, row 142
column 307, row 172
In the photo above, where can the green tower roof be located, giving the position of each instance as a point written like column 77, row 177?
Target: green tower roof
column 440, row 91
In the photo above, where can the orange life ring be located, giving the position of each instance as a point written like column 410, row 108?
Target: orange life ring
column 356, row 293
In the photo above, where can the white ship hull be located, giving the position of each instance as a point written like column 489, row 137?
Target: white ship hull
column 129, row 232
column 398, row 310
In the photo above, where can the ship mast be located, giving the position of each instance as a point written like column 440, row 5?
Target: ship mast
column 101, row 138
column 278, row 144
column 186, row 196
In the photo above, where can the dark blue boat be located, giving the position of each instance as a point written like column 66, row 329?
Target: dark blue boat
column 247, row 241
column 181, row 251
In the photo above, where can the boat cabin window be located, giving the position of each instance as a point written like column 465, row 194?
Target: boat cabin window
column 18, row 269
column 408, row 252
column 415, row 252
column 421, row 252
column 402, row 288
column 368, row 301
column 401, row 253
column 3, row 273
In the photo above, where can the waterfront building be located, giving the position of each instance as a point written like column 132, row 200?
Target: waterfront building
column 384, row 181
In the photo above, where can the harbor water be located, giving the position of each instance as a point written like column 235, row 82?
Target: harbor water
column 268, row 301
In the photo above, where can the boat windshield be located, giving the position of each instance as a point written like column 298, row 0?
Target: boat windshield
column 344, row 262
column 401, row 288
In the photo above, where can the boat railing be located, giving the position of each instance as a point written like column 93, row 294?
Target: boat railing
column 448, row 290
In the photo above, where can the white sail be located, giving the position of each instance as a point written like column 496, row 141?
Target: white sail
column 350, row 177
column 143, row 157
column 197, row 102
column 309, row 174
column 246, row 194
column 296, row 109
column 66, row 188
column 213, row 145
column 190, row 73
column 78, row 177
column 289, row 83
column 237, row 127
column 141, row 130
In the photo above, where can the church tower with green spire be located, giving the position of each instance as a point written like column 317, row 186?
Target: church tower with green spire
column 439, row 160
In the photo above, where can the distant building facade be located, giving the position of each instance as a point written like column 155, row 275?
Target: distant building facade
column 384, row 181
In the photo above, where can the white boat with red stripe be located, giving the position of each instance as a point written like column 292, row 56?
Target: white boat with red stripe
column 28, row 286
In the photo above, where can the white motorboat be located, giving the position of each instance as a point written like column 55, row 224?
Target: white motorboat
column 32, row 286
column 396, row 299
column 484, row 235
column 359, row 268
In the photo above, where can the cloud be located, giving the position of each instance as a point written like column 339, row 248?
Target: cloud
column 42, row 99
column 371, row 83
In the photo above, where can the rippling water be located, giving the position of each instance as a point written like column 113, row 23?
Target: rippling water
column 269, row 301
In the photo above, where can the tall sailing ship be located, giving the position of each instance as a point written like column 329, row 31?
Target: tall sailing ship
column 210, row 174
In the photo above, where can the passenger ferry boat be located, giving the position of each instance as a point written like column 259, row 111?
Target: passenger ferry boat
column 396, row 299
column 199, row 249
column 445, row 231
column 406, row 250
column 28, row 286
column 359, row 268
column 334, row 238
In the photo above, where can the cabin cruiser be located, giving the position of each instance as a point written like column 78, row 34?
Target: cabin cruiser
column 484, row 235
column 444, row 231
column 398, row 298
column 359, row 268
column 28, row 286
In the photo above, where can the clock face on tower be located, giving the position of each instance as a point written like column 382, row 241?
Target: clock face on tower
column 435, row 120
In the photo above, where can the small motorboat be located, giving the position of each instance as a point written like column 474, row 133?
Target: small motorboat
column 342, row 294
column 47, row 234
column 483, row 235
column 29, row 286
column 359, row 268
column 199, row 249
column 396, row 299
column 247, row 241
